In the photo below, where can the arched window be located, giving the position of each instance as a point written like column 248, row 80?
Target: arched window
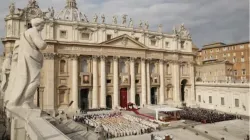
column 62, row 66
column 84, row 65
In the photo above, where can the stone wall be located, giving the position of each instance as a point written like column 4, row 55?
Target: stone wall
column 231, row 93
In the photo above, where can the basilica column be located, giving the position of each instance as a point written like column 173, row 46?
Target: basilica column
column 103, row 83
column 148, row 82
column 95, row 83
column 162, row 82
column 75, row 81
column 49, row 77
column 116, row 81
column 132, row 86
column 143, row 82
column 192, row 81
column 176, row 81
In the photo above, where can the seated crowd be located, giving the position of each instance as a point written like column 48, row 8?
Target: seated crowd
column 117, row 124
column 204, row 115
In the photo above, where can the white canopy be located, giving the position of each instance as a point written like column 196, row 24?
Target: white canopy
column 163, row 108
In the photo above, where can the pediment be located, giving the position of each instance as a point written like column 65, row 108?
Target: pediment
column 124, row 41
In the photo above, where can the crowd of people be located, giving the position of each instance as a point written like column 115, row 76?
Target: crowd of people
column 116, row 124
column 204, row 115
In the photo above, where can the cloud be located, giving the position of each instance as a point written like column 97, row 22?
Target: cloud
column 208, row 20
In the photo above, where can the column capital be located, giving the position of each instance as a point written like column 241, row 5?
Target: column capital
column 74, row 56
column 63, row 56
column 175, row 61
column 49, row 56
column 143, row 59
column 132, row 59
column 192, row 63
column 95, row 57
column 115, row 58
column 103, row 57
column 41, row 89
column 162, row 61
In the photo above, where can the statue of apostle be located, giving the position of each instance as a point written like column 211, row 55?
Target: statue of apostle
column 29, row 64
column 5, row 72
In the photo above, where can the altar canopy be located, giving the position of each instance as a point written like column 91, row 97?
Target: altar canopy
column 164, row 108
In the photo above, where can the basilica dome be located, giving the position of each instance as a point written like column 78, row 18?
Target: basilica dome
column 71, row 12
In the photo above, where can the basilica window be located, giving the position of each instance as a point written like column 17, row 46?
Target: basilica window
column 108, row 67
column 63, row 34
column 243, row 71
column 153, row 42
column 122, row 67
column 62, row 66
column 166, row 44
column 152, row 68
column 168, row 69
column 222, row 100
column 236, row 102
column 234, row 60
column 137, row 38
column 109, row 36
column 137, row 68
column 182, row 44
column 242, row 47
column 108, row 81
column 210, row 99
column 235, row 72
column 242, row 59
column 63, row 97
column 199, row 98
column 84, row 65
column 85, row 36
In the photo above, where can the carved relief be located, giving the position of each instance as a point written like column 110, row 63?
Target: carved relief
column 49, row 55
column 124, row 41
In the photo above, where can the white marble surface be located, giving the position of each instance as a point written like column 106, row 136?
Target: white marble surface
column 43, row 129
column 237, row 129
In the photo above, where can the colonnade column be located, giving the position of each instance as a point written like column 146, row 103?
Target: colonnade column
column 95, row 83
column 148, row 83
column 162, row 82
column 116, row 81
column 143, row 82
column 103, row 83
column 75, row 81
column 132, row 73
column 176, row 77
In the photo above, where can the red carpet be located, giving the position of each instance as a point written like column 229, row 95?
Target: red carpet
column 138, row 113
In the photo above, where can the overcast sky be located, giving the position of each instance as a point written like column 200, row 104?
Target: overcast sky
column 208, row 20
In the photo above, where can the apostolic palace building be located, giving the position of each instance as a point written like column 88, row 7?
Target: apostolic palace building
column 96, row 64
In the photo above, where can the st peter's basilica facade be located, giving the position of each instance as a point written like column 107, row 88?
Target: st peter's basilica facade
column 99, row 65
